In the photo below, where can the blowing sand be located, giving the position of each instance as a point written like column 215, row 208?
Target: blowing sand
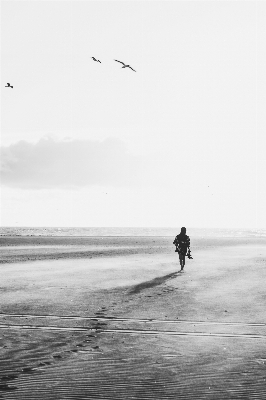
column 114, row 318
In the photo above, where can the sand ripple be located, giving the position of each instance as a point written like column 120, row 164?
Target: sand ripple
column 129, row 358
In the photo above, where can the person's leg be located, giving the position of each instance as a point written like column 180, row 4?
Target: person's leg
column 182, row 260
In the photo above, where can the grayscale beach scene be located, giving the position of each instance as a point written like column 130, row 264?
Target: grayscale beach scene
column 132, row 200
column 113, row 317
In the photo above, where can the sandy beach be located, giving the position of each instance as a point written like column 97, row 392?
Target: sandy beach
column 114, row 318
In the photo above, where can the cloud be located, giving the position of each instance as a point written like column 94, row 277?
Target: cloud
column 68, row 164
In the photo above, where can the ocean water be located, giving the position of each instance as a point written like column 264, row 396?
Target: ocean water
column 115, row 231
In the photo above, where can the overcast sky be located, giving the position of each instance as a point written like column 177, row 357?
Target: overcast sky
column 181, row 141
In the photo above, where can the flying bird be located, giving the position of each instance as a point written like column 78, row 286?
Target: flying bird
column 8, row 85
column 94, row 59
column 125, row 65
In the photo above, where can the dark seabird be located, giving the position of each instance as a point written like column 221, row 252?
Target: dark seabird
column 125, row 65
column 94, row 59
column 8, row 85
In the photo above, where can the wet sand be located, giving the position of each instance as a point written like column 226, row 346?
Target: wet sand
column 112, row 318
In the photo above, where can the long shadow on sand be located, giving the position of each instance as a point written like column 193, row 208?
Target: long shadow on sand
column 154, row 282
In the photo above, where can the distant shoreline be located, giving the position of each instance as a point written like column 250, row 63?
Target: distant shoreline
column 127, row 232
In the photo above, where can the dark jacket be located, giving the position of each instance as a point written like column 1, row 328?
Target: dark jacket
column 182, row 243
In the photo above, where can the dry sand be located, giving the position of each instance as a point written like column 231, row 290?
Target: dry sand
column 114, row 318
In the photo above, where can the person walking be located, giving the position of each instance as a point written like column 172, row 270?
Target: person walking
column 182, row 243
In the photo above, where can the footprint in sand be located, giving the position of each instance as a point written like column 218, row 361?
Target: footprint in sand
column 57, row 356
column 43, row 363
column 102, row 323
column 28, row 370
column 99, row 326
column 5, row 388
column 10, row 377
column 101, row 310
